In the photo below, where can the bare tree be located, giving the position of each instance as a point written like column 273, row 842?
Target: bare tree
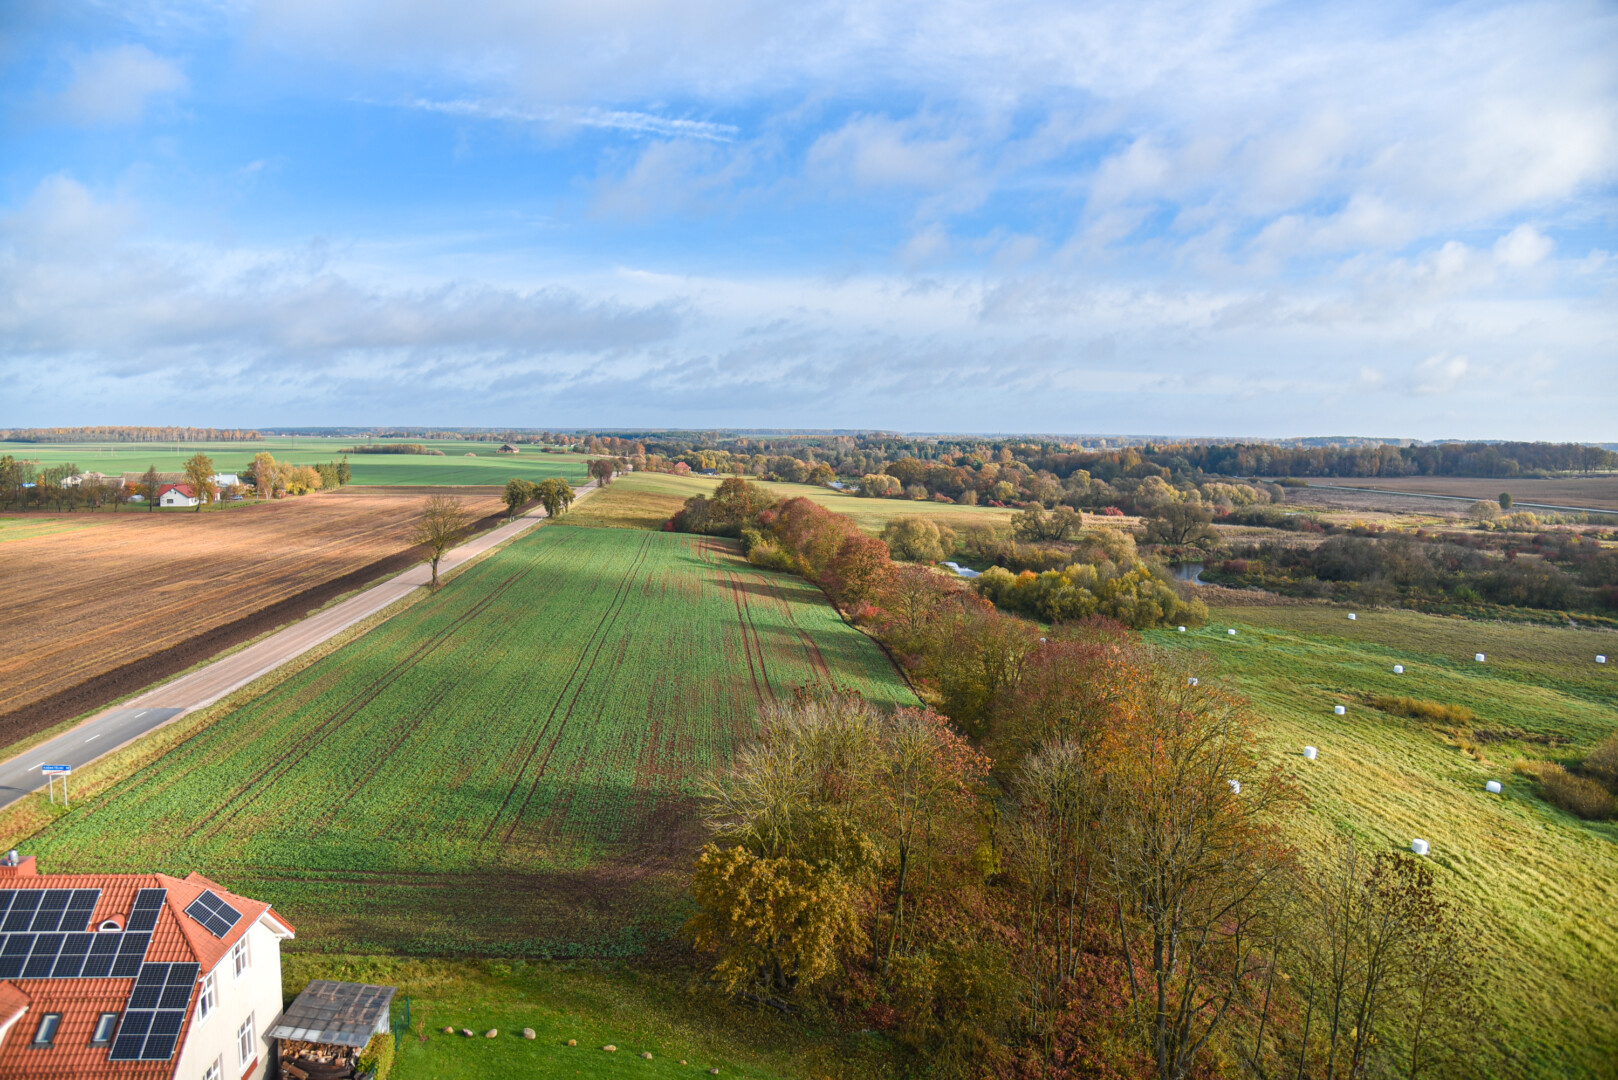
column 442, row 522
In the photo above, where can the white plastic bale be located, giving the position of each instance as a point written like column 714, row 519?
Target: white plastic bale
column 1398, row 669
column 1192, row 681
column 1182, row 629
column 1479, row 658
column 1232, row 633
column 1310, row 753
column 1419, row 846
column 1492, row 787
column 1601, row 659
column 1352, row 617
column 1340, row 710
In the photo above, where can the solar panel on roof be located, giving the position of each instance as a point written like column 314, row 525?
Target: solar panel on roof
column 21, row 913
column 148, row 902
column 213, row 913
column 148, row 1033
column 43, row 958
column 80, row 909
column 103, row 947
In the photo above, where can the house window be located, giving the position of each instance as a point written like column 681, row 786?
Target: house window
column 241, row 957
column 216, row 1071
column 45, row 1034
column 244, row 1042
column 106, row 1023
column 207, row 998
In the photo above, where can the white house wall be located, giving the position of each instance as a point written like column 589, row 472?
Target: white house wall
column 258, row 992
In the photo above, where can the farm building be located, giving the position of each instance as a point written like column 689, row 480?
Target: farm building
column 322, row 1033
column 507, row 448
column 176, row 495
column 138, row 975
column 226, row 479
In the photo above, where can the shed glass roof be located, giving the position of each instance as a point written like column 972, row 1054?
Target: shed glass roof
column 335, row 1014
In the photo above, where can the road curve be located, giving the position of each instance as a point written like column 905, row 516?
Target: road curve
column 117, row 727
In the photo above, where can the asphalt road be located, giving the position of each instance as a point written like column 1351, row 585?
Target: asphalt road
column 107, row 731
column 78, row 748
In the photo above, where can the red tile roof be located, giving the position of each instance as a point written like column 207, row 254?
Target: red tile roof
column 183, row 489
column 177, row 938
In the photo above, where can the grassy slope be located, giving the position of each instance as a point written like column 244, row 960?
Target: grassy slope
column 646, row 500
column 506, row 768
column 594, row 1004
column 453, row 469
column 1543, row 885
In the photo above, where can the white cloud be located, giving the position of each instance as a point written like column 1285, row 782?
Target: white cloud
column 637, row 123
column 114, row 86
column 1438, row 374
column 1522, row 247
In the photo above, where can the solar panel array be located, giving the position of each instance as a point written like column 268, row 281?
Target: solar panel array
column 214, row 914
column 22, row 910
column 155, row 1013
column 42, row 935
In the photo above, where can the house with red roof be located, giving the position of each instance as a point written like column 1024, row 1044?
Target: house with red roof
column 134, row 975
column 176, row 495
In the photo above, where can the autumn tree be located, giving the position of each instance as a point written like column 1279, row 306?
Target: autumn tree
column 555, row 495
column 1036, row 523
column 1195, row 870
column 442, row 522
column 199, row 473
column 602, row 470
column 1181, row 524
column 918, row 539
column 265, row 473
column 518, row 493
column 859, row 572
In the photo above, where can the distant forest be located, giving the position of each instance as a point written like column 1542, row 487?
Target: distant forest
column 127, row 434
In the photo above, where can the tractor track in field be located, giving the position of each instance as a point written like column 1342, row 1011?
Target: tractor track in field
column 817, row 659
column 289, row 760
column 748, row 645
column 597, row 639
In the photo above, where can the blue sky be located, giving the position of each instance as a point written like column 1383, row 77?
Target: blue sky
column 1155, row 218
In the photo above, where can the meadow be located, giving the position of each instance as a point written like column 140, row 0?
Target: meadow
column 454, row 469
column 1540, row 885
column 646, row 500
column 636, row 1009
column 508, row 767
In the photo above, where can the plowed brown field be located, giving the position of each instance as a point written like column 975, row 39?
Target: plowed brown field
column 122, row 587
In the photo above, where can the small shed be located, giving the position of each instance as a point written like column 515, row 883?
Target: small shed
column 507, row 448
column 321, row 1034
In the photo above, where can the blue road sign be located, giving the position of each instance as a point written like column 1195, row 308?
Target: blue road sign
column 56, row 768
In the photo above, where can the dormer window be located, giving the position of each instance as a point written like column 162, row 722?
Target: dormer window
column 110, row 926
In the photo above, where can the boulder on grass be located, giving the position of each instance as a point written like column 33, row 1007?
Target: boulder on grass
column 609, row 1048
column 449, row 1031
column 492, row 1033
column 528, row 1033
column 467, row 1032
column 573, row 1042
column 647, row 1054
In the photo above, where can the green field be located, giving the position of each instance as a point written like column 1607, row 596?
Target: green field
column 646, row 500
column 1541, row 884
column 454, row 469
column 506, row 768
column 595, row 1004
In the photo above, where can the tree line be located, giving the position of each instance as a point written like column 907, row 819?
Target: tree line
column 127, row 434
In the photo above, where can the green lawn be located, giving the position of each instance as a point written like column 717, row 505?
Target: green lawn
column 453, row 469
column 646, row 500
column 1541, row 884
column 595, row 1005
column 507, row 768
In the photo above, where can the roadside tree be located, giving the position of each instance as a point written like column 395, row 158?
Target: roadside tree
column 555, row 495
column 443, row 521
column 518, row 493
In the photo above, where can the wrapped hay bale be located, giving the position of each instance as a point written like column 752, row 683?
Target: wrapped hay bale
column 1352, row 617
column 1398, row 669
column 1340, row 710
column 1492, row 787
column 1310, row 753
column 1419, row 847
column 1478, row 658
